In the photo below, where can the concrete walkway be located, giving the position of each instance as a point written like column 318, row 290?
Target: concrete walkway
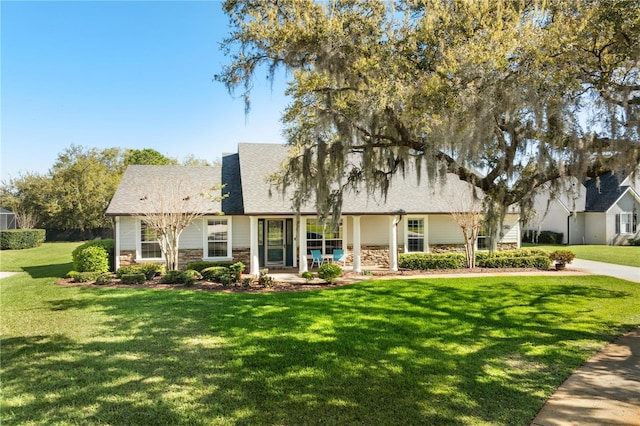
column 604, row 391
column 629, row 273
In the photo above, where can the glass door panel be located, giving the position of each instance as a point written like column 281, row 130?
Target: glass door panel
column 275, row 242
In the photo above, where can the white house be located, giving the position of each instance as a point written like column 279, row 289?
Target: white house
column 255, row 224
column 596, row 211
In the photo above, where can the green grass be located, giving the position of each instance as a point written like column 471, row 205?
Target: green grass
column 619, row 255
column 428, row 351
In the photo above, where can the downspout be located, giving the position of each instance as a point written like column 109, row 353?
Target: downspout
column 569, row 228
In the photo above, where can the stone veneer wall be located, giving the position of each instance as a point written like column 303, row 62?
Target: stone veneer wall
column 242, row 255
column 370, row 256
column 189, row 255
column 127, row 257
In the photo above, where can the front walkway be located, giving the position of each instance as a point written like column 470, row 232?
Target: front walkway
column 629, row 273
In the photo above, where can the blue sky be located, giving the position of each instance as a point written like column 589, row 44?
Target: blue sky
column 129, row 74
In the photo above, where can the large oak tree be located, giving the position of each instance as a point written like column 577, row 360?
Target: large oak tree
column 508, row 95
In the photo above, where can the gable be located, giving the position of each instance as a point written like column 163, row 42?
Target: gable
column 603, row 192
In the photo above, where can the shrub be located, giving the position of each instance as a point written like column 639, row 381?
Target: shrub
column 149, row 269
column 562, row 256
column 204, row 264
column 307, row 275
column 329, row 272
column 214, row 273
column 85, row 277
column 191, row 276
column 104, row 279
column 18, row 239
column 188, row 277
column 426, row 261
column 91, row 259
column 135, row 278
column 634, row 241
column 264, row 279
column 106, row 244
column 237, row 269
column 541, row 262
column 246, row 282
column 542, row 237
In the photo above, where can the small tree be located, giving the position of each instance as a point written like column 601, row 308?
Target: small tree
column 171, row 206
column 468, row 212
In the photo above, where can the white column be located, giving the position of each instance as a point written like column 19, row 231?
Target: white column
column 356, row 245
column 393, row 243
column 116, row 248
column 302, row 244
column 254, row 266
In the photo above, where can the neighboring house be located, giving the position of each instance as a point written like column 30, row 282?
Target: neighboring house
column 7, row 219
column 256, row 223
column 596, row 211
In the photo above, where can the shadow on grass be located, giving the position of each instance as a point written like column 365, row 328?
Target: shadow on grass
column 48, row 271
column 364, row 354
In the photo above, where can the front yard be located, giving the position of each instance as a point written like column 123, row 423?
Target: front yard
column 619, row 255
column 424, row 351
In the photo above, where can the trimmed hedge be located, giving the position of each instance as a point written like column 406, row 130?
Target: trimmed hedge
column 329, row 272
column 149, row 269
column 204, row 264
column 91, row 259
column 106, row 245
column 133, row 278
column 18, row 239
column 519, row 258
column 426, row 261
column 187, row 277
column 84, row 277
column 542, row 237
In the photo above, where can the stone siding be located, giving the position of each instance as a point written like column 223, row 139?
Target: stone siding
column 242, row 255
column 189, row 255
column 127, row 257
column 370, row 256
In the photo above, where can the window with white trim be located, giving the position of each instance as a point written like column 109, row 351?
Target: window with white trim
column 324, row 238
column 149, row 242
column 626, row 223
column 218, row 238
column 415, row 235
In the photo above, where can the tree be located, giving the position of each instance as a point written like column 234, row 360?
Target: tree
column 508, row 95
column 172, row 205
column 83, row 182
column 147, row 156
column 467, row 211
column 26, row 197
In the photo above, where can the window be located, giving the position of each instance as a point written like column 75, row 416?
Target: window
column 626, row 223
column 322, row 238
column 149, row 242
column 218, row 240
column 415, row 235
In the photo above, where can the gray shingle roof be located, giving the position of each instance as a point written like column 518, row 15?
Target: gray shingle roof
column 258, row 161
column 146, row 187
column 245, row 175
column 601, row 196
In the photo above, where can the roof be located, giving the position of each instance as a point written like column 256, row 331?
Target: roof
column 144, row 189
column 245, row 176
column 258, row 161
column 5, row 211
column 603, row 192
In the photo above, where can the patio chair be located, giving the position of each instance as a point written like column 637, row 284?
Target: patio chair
column 317, row 258
column 338, row 256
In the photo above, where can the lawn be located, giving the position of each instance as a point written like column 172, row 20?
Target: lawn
column 426, row 351
column 619, row 255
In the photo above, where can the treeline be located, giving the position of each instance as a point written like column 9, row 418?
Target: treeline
column 70, row 200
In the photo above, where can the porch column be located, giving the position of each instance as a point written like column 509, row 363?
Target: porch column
column 302, row 244
column 356, row 244
column 116, row 249
column 254, row 253
column 393, row 243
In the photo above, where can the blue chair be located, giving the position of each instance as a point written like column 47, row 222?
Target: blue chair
column 338, row 256
column 317, row 258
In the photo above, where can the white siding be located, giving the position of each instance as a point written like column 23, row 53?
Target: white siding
column 241, row 232
column 512, row 235
column 576, row 229
column 594, row 228
column 128, row 233
column 444, row 230
column 374, row 230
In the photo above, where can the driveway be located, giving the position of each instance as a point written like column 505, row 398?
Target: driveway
column 629, row 273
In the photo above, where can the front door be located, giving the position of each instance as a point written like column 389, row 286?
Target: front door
column 275, row 247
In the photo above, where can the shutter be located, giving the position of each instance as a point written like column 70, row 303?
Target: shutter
column 635, row 223
column 618, row 223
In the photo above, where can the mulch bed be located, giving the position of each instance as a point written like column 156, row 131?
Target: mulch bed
column 279, row 286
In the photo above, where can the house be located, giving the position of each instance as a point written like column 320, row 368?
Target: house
column 596, row 211
column 7, row 219
column 255, row 224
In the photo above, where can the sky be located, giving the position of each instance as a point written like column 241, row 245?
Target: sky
column 127, row 74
